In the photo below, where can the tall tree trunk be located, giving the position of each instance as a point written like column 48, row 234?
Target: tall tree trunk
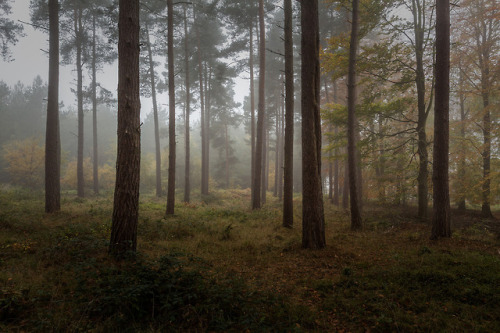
column 441, row 195
column 79, row 92
column 356, row 222
column 423, row 173
column 313, row 219
column 259, row 147
column 345, row 189
column 128, row 160
column 171, row 111
column 95, row 158
column 252, row 110
column 155, row 114
column 281, row 146
column 335, row 198
column 289, row 118
column 204, row 182
column 462, row 163
column 52, row 136
column 226, row 146
column 265, row 161
column 208, row 106
column 187, row 170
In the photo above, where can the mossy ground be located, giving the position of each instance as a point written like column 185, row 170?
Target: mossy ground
column 217, row 265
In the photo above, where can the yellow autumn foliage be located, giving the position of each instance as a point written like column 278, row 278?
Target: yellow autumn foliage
column 25, row 162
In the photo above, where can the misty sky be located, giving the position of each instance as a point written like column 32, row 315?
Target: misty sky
column 30, row 59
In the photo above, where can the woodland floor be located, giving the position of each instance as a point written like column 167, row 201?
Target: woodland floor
column 218, row 266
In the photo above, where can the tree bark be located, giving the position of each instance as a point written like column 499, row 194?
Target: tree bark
column 259, row 147
column 441, row 195
column 313, row 220
column 423, row 173
column 79, row 92
column 155, row 115
column 171, row 111
column 95, row 171
column 52, row 136
column 187, row 170
column 356, row 222
column 252, row 111
column 289, row 118
column 126, row 197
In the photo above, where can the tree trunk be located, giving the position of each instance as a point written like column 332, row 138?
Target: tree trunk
column 356, row 222
column 95, row 171
column 226, row 141
column 126, row 197
column 79, row 91
column 313, row 219
column 281, row 146
column 171, row 111
column 259, row 147
column 252, row 111
column 265, row 160
column 187, row 170
column 462, row 163
column 441, row 195
column 52, row 136
column 208, row 89
column 335, row 198
column 155, row 115
column 345, row 189
column 423, row 173
column 289, row 118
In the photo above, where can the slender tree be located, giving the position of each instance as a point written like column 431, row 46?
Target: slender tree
column 289, row 117
column 441, row 195
column 356, row 222
column 171, row 108
column 187, row 170
column 259, row 146
column 126, row 197
column 155, row 113
column 313, row 220
column 52, row 136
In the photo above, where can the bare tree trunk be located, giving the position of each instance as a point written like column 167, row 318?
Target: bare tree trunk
column 345, row 190
column 289, row 115
column 256, row 202
column 252, row 110
column 423, row 173
column 265, row 161
column 441, row 195
column 313, row 219
column 155, row 115
column 171, row 111
column 208, row 106
column 226, row 140
column 52, row 136
column 187, row 170
column 95, row 171
column 335, row 198
column 462, row 164
column 79, row 92
column 126, row 198
column 356, row 222
column 281, row 146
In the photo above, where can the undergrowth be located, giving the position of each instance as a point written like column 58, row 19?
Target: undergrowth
column 218, row 266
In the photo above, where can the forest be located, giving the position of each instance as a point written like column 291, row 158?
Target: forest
column 258, row 165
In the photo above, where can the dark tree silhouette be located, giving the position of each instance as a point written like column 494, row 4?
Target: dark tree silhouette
column 313, row 219
column 259, row 145
column 126, row 198
column 441, row 194
column 289, row 105
column 52, row 136
column 171, row 108
column 356, row 222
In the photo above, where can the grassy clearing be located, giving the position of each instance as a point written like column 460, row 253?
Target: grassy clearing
column 216, row 265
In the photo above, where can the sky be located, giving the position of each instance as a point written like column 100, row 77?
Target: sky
column 30, row 58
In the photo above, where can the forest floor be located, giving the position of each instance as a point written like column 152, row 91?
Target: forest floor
column 218, row 266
